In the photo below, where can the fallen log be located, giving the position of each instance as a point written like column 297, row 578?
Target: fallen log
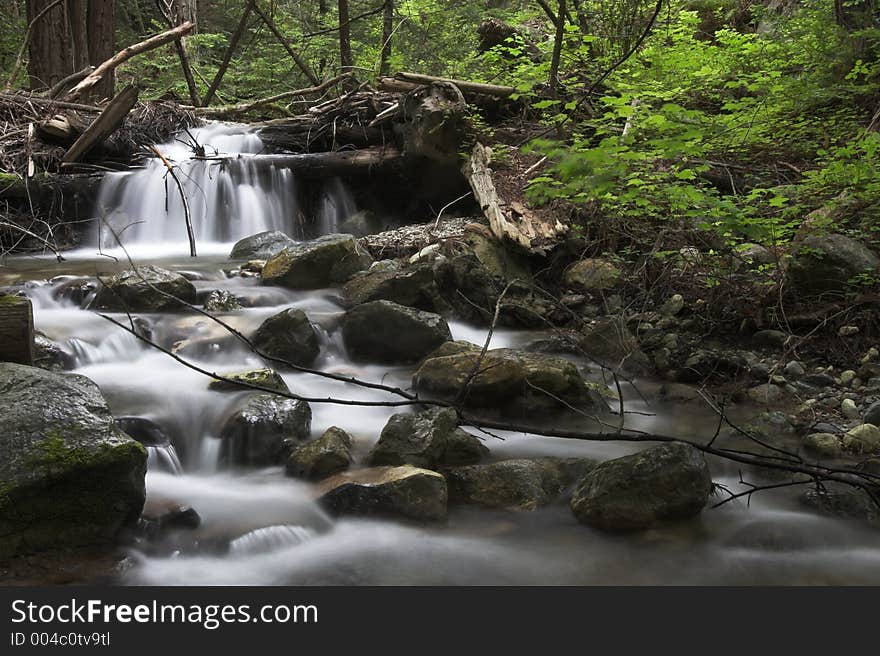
column 124, row 55
column 242, row 108
column 62, row 129
column 16, row 330
column 464, row 85
column 509, row 219
column 47, row 185
column 322, row 165
column 104, row 124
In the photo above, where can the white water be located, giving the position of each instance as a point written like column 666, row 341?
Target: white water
column 271, row 527
column 231, row 193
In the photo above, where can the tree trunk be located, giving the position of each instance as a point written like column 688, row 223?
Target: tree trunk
column 346, row 60
column 230, row 51
column 557, row 48
column 79, row 33
column 387, row 31
column 101, row 22
column 49, row 48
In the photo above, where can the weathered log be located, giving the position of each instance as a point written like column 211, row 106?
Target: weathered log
column 393, row 85
column 73, row 78
column 16, row 330
column 124, row 55
column 464, row 85
column 234, row 110
column 323, row 165
column 46, row 185
column 509, row 219
column 62, row 129
column 104, row 124
column 436, row 121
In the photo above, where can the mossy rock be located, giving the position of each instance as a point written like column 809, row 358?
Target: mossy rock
column 68, row 475
column 145, row 288
column 324, row 262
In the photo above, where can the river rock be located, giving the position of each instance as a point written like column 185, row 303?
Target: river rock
column 50, row 355
column 591, row 274
column 519, row 484
column 68, row 476
column 824, row 264
column 264, row 378
column 263, row 430
column 669, row 481
column 839, row 500
column 261, row 246
column 323, row 262
column 467, row 287
column 768, row 394
column 610, row 341
column 770, row 338
column 288, row 335
column 426, row 439
column 822, row 444
column 849, row 409
column 221, row 300
column 323, row 457
column 383, row 331
column 413, row 287
column 872, row 414
column 404, row 491
column 514, row 384
column 146, row 431
column 144, row 289
column 864, row 438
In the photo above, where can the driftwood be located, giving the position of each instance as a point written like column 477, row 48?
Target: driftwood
column 464, row 85
column 16, row 330
column 508, row 219
column 233, row 110
column 329, row 164
column 104, row 125
column 46, row 185
column 124, row 55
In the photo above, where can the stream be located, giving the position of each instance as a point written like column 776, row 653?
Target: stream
column 275, row 532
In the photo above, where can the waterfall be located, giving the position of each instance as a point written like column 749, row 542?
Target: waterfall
column 270, row 538
column 232, row 192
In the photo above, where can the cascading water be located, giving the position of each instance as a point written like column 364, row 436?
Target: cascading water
column 231, row 191
column 262, row 527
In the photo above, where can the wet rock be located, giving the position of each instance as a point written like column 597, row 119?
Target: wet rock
column 704, row 363
column 261, row 378
column 592, row 274
column 361, row 224
column 818, row 380
column 823, row 444
column 872, row 414
column 864, row 438
column 842, row 501
column 145, row 288
column 824, row 264
column 68, row 476
column 261, row 246
column 426, row 439
column 383, row 331
column 263, row 431
column 413, row 287
column 288, row 335
column 794, row 369
column 502, row 263
column 768, row 394
column 515, row 384
column 609, row 340
column 404, row 491
column 74, row 290
column 323, row 457
column 324, row 262
column 519, row 484
column 221, row 300
column 847, row 377
column 50, row 355
column 669, row 481
column 146, row 431
column 468, row 287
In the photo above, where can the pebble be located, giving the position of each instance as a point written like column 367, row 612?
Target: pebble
column 849, row 409
column 847, row 377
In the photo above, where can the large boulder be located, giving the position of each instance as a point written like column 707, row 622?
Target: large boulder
column 261, row 246
column 426, row 439
column 413, row 287
column 328, row 455
column 68, row 476
column 669, row 481
column 825, row 264
column 263, row 431
column 468, row 287
column 383, row 331
column 864, row 438
column 515, row 484
column 288, row 335
column 404, row 491
column 146, row 288
column 324, row 262
column 510, row 383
